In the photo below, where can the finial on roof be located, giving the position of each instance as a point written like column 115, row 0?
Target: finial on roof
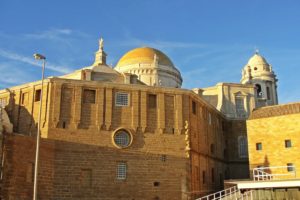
column 256, row 50
column 101, row 43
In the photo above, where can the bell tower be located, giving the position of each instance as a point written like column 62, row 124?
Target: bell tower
column 260, row 73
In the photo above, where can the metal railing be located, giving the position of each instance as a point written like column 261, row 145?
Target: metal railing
column 230, row 192
column 274, row 173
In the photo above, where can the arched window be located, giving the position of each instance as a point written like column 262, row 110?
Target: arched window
column 258, row 90
column 243, row 146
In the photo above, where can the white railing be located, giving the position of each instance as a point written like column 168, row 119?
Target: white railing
column 274, row 173
column 230, row 192
column 248, row 195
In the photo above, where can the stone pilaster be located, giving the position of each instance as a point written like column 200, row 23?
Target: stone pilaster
column 135, row 109
column 108, row 107
column 100, row 105
column 56, row 101
column 143, row 110
column 77, row 107
column 161, row 113
column 178, row 114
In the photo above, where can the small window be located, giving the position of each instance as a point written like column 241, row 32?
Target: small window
column 212, row 175
column 203, row 177
column 152, row 101
column 24, row 99
column 156, row 184
column 122, row 99
column 89, row 96
column 121, row 170
column 37, row 96
column 163, row 158
column 288, row 143
column 258, row 146
column 209, row 118
column 122, row 138
column 212, row 148
column 290, row 167
column 194, row 105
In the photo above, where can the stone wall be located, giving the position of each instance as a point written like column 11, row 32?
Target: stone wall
column 272, row 132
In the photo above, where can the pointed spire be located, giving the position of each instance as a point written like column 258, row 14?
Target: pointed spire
column 100, row 55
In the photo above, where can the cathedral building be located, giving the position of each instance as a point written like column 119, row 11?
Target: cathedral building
column 130, row 131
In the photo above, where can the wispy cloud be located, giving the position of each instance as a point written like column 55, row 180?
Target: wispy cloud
column 160, row 44
column 31, row 61
column 49, row 34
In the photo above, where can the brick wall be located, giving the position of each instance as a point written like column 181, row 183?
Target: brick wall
column 272, row 132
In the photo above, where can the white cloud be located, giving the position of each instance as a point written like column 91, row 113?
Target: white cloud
column 50, row 34
column 160, row 44
column 31, row 61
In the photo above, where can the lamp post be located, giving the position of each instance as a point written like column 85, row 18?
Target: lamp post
column 35, row 182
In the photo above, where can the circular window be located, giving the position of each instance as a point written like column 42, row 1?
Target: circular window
column 122, row 138
column 255, row 68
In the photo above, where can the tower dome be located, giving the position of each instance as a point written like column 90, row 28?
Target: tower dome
column 259, row 73
column 152, row 67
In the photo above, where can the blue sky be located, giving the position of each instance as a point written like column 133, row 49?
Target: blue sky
column 209, row 41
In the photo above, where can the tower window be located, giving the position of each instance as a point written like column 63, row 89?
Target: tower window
column 258, row 146
column 288, row 143
column 258, row 91
column 268, row 93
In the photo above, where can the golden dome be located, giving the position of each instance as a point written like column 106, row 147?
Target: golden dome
column 145, row 55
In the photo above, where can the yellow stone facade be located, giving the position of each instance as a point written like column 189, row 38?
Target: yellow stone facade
column 272, row 126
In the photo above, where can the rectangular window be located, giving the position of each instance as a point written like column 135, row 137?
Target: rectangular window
column 122, row 99
column 194, row 105
column 212, row 175
column 203, row 177
column 86, row 178
column 243, row 146
column 121, row 171
column 89, row 96
column 24, row 99
column 3, row 102
column 290, row 167
column 258, row 146
column 37, row 95
column 209, row 118
column 152, row 101
column 288, row 143
column 240, row 107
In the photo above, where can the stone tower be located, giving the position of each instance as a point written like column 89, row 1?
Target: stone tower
column 259, row 73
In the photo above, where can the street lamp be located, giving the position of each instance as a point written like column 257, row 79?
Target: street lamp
column 38, row 57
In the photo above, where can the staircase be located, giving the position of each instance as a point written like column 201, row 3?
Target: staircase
column 232, row 193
